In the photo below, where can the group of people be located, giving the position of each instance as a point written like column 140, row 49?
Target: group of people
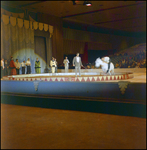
column 131, row 60
column 77, row 63
column 13, row 68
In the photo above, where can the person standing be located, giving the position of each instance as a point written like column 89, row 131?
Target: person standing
column 37, row 66
column 12, row 66
column 28, row 64
column 6, row 68
column 2, row 67
column 66, row 64
column 77, row 63
column 17, row 66
column 53, row 65
column 56, row 65
column 23, row 65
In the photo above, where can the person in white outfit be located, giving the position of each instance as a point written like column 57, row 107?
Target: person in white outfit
column 23, row 65
column 17, row 66
column 66, row 64
column 28, row 64
column 53, row 65
column 106, row 59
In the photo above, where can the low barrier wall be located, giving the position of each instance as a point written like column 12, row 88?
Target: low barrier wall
column 119, row 98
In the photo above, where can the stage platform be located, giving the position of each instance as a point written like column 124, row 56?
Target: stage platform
column 87, row 75
column 60, row 77
column 122, row 94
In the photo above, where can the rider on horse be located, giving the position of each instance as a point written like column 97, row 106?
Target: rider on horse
column 106, row 60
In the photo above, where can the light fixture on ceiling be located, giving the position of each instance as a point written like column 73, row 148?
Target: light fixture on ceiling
column 74, row 3
column 87, row 3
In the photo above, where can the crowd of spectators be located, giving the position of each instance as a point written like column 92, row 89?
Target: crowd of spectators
column 125, row 60
column 131, row 60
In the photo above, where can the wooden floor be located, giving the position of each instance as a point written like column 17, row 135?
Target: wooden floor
column 39, row 128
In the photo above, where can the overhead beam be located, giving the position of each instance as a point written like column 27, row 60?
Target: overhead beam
column 31, row 3
column 90, row 12
column 134, row 27
column 120, row 20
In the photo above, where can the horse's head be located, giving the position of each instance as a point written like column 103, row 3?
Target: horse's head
column 98, row 62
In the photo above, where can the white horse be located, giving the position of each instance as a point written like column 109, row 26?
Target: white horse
column 105, row 67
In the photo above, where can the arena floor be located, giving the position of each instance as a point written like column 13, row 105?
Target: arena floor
column 139, row 74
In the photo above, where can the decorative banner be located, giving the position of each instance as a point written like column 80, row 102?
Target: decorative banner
column 51, row 30
column 21, row 15
column 26, row 24
column 30, row 18
column 2, row 11
column 15, row 15
column 45, row 27
column 20, row 22
column 41, row 26
column 35, row 24
column 123, row 86
column 8, row 13
column 5, row 19
column 13, row 21
column 31, row 25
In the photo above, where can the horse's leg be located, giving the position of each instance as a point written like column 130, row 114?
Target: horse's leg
column 109, row 72
column 112, row 72
column 105, row 73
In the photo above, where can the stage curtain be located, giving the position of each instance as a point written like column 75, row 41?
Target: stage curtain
column 99, row 46
column 85, row 55
column 40, row 51
column 49, row 50
column 17, row 40
column 73, row 47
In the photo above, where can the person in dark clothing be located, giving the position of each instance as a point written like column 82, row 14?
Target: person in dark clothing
column 6, row 68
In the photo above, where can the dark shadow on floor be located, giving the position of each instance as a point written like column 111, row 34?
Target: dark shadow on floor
column 116, row 108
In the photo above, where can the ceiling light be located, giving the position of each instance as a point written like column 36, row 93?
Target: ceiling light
column 87, row 3
column 74, row 3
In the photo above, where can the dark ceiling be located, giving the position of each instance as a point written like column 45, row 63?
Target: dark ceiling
column 118, row 15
